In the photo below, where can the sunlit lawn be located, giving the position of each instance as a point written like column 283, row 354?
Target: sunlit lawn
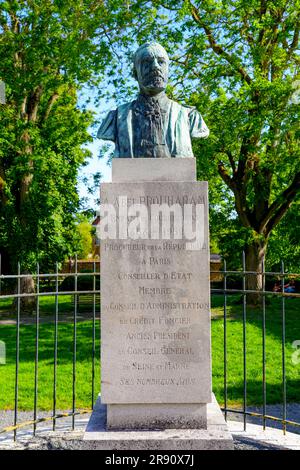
column 84, row 356
column 235, row 384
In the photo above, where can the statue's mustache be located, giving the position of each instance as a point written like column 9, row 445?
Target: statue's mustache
column 155, row 75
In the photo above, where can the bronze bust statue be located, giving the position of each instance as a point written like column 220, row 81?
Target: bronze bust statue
column 152, row 126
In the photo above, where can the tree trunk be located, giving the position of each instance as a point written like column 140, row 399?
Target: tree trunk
column 255, row 253
column 27, row 283
column 27, row 286
column 28, row 304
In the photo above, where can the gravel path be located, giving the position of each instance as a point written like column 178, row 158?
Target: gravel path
column 64, row 438
column 293, row 414
column 65, row 423
column 75, row 442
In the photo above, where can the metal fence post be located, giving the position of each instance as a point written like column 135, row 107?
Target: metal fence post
column 74, row 344
column 283, row 351
column 36, row 346
column 225, row 339
column 244, row 341
column 55, row 346
column 264, row 343
column 17, row 350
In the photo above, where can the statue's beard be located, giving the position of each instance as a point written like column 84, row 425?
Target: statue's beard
column 155, row 81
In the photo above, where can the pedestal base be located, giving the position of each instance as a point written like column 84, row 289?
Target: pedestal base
column 154, row 416
column 215, row 437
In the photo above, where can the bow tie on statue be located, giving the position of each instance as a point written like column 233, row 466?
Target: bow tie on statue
column 149, row 109
column 149, row 115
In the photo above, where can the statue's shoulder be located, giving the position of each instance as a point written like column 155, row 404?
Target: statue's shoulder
column 125, row 106
column 182, row 106
column 189, row 109
column 112, row 121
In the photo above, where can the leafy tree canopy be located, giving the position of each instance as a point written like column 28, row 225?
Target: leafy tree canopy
column 49, row 50
column 238, row 63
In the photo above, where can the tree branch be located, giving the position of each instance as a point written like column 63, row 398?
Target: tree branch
column 33, row 103
column 280, row 206
column 295, row 41
column 241, row 208
column 3, row 197
column 262, row 11
column 23, row 108
column 217, row 48
column 53, row 98
column 262, row 188
column 231, row 160
column 245, row 31
column 240, row 201
column 278, row 216
column 225, row 176
column 240, row 174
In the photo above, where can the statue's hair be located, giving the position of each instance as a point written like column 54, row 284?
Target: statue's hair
column 140, row 49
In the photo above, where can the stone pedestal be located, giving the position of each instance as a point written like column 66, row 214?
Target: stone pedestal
column 155, row 297
column 155, row 363
column 215, row 437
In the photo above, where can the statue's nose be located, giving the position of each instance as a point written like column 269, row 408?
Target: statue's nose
column 155, row 63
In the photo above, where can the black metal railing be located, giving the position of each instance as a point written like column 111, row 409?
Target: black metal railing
column 14, row 293
column 232, row 284
column 262, row 294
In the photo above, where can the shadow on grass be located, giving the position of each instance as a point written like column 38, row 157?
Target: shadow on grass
column 274, row 394
column 274, row 316
column 254, row 352
column 84, row 336
column 47, row 306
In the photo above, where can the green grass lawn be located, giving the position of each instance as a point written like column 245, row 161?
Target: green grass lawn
column 46, row 307
column 45, row 368
column 254, row 351
column 84, row 356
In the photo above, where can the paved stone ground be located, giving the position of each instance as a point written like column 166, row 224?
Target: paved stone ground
column 75, row 442
column 64, row 438
column 247, row 444
column 293, row 414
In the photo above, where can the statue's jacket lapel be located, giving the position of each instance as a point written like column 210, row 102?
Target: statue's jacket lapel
column 177, row 132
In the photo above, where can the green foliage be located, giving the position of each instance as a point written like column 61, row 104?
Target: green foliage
column 84, row 230
column 84, row 283
column 238, row 63
column 49, row 50
column 284, row 242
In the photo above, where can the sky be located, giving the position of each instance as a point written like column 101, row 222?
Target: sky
column 95, row 164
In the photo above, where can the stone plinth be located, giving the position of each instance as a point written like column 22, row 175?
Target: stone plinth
column 148, row 169
column 215, row 437
column 156, row 416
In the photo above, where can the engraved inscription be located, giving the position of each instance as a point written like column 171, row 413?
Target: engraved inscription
column 155, row 311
